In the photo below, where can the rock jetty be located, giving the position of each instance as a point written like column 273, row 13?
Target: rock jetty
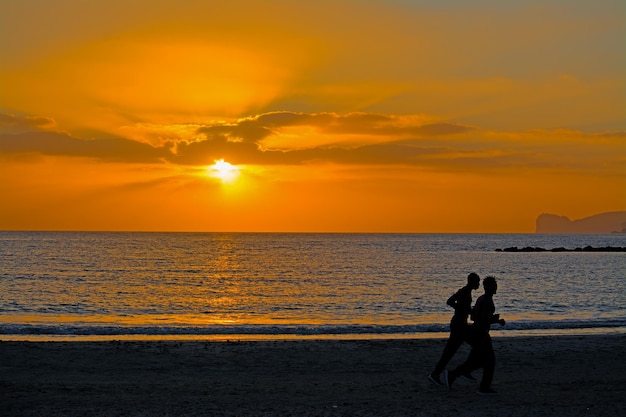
column 560, row 249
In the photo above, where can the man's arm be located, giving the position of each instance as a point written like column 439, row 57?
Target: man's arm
column 453, row 300
column 496, row 319
column 482, row 312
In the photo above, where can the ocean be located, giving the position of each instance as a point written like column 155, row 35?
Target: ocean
column 82, row 285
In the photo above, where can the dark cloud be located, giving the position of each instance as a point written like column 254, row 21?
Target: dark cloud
column 13, row 121
column 216, row 147
column 60, row 144
column 246, row 131
column 437, row 129
column 405, row 152
column 257, row 128
column 611, row 135
column 241, row 142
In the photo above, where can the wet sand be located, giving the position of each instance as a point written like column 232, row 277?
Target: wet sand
column 535, row 376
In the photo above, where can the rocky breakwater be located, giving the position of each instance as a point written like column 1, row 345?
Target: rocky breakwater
column 561, row 249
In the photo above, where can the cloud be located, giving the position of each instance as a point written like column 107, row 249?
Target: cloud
column 30, row 122
column 353, row 139
column 610, row 135
column 254, row 129
column 399, row 141
column 244, row 141
column 397, row 152
column 61, row 144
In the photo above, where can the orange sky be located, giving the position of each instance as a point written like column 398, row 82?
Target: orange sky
column 356, row 116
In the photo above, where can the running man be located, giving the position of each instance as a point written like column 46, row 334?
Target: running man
column 461, row 302
column 481, row 355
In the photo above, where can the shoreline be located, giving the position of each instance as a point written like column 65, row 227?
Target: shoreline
column 225, row 337
column 567, row 375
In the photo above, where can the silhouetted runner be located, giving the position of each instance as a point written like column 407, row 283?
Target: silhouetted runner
column 461, row 301
column 481, row 355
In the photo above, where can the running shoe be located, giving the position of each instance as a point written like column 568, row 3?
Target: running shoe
column 435, row 380
column 469, row 377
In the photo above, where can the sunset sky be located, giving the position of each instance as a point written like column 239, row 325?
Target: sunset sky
column 327, row 116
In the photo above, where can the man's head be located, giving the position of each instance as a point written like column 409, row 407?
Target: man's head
column 473, row 280
column 490, row 284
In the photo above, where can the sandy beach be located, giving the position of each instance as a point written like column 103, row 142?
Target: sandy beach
column 535, row 376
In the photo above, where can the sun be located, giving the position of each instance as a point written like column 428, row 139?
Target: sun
column 223, row 170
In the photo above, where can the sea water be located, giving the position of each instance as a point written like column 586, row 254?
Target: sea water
column 211, row 285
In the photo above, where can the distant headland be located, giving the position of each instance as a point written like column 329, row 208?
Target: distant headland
column 610, row 222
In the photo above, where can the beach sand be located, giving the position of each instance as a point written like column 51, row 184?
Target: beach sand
column 535, row 376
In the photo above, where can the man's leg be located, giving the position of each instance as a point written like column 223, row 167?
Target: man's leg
column 454, row 343
column 474, row 360
column 489, row 365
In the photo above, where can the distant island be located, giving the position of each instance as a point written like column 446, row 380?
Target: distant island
column 611, row 222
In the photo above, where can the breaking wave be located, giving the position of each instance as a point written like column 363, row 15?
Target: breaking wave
column 293, row 330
